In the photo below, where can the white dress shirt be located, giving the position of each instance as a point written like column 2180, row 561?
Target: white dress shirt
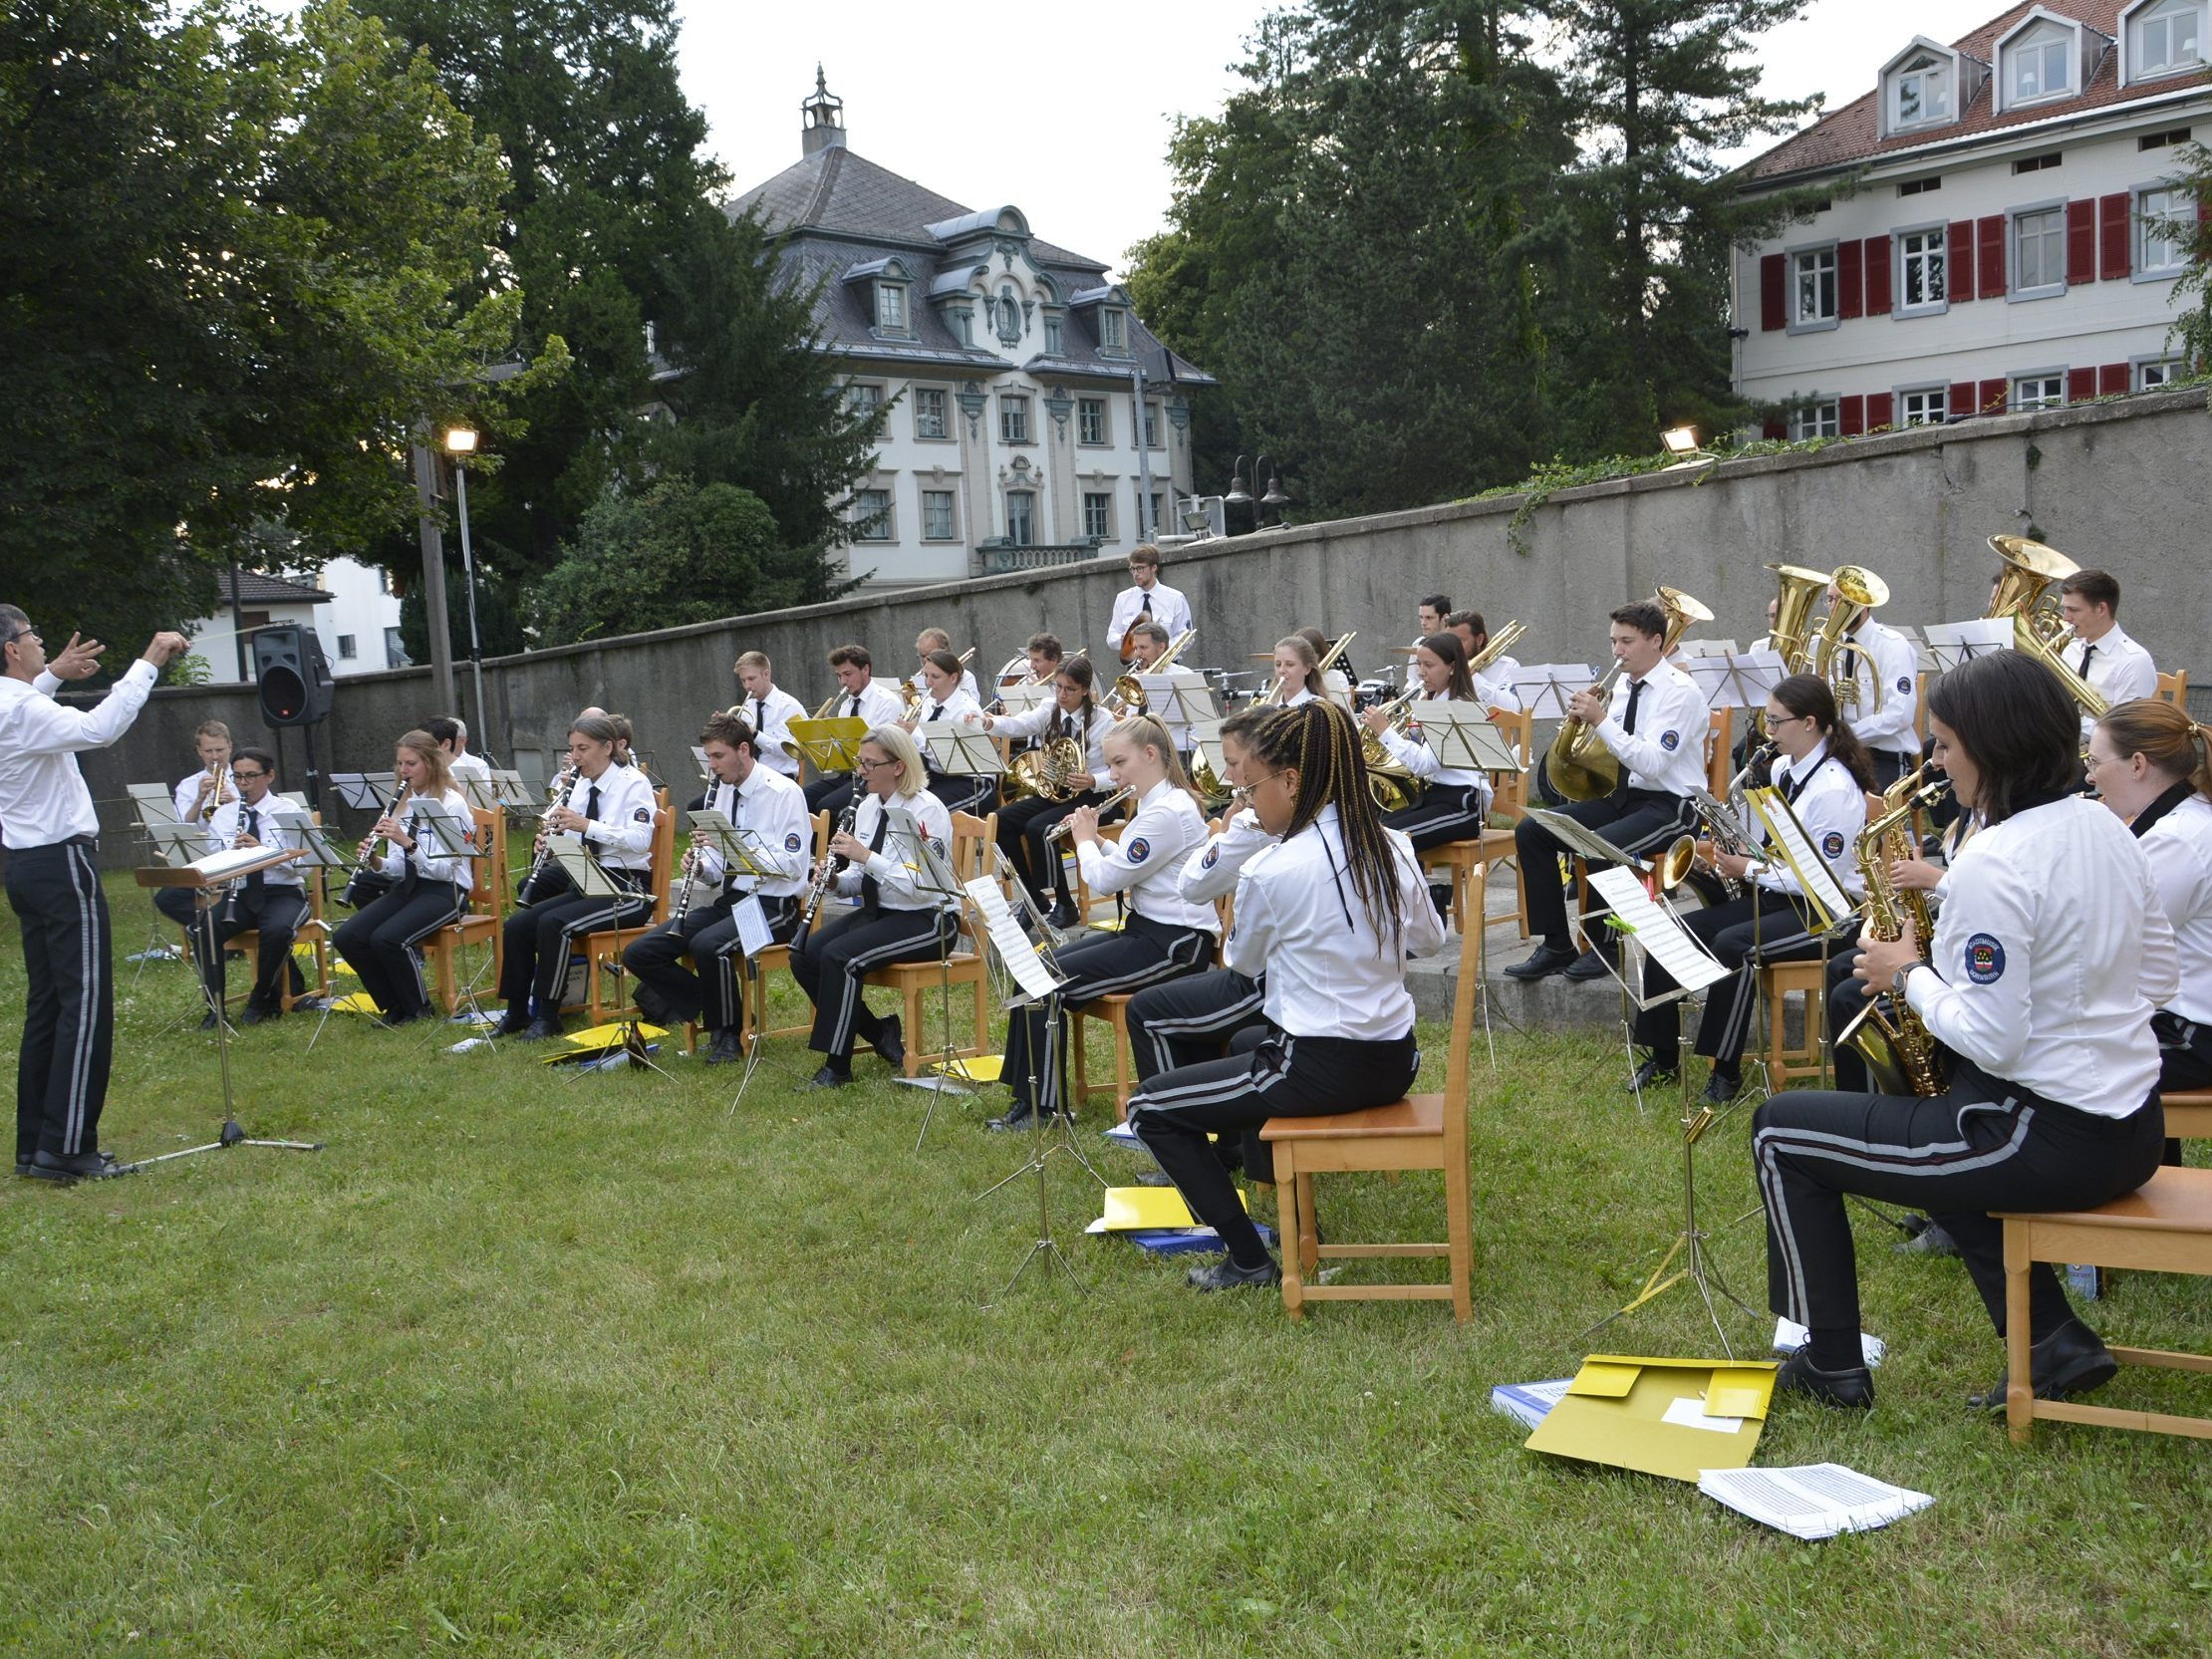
column 1047, row 720
column 961, row 706
column 187, row 792
column 1895, row 666
column 1495, row 685
column 2051, row 953
column 1413, row 754
column 1301, row 923
column 772, row 810
column 622, row 828
column 471, row 764
column 1666, row 752
column 432, row 863
column 1303, row 695
column 2180, row 848
column 1210, row 873
column 1147, row 862
column 895, row 878
column 43, row 798
column 771, row 717
column 1169, row 609
column 277, row 824
column 2120, row 670
column 1831, row 807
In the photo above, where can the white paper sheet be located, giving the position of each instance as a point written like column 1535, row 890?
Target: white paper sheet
column 754, row 932
column 1007, row 938
column 1815, row 1500
column 1688, row 1412
column 1657, row 932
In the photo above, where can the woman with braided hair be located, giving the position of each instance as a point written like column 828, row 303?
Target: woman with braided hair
column 1331, row 911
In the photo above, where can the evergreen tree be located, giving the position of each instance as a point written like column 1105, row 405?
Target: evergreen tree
column 678, row 553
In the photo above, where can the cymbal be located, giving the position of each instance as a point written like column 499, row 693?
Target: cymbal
column 1260, row 656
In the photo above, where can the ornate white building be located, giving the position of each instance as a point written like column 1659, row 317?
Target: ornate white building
column 1033, row 418
column 2016, row 236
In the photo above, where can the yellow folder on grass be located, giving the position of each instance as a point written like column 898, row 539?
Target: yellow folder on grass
column 1150, row 1208
column 1671, row 1417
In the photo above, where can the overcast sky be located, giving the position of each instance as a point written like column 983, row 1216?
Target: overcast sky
column 1070, row 120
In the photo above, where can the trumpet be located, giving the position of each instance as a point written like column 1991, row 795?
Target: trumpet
column 828, row 872
column 215, row 788
column 1125, row 792
column 913, row 690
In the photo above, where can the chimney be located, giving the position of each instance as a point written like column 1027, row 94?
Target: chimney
column 824, row 128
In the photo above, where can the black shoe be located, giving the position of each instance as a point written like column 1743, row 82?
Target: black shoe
column 1654, row 1074
column 1225, row 1275
column 207, row 1022
column 1020, row 1115
column 829, row 1077
column 652, row 1006
column 1592, row 963
column 1851, row 1388
column 255, row 1013
column 1542, row 962
column 727, row 1048
column 1928, row 1238
column 308, row 1004
column 891, row 1043
column 1151, row 1177
column 1721, row 1088
column 1441, row 897
column 540, row 1029
column 1062, row 913
column 84, row 1166
column 511, row 1024
column 2070, row 1361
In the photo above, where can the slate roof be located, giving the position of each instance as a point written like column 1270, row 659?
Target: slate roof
column 254, row 588
column 1852, row 135
column 835, row 210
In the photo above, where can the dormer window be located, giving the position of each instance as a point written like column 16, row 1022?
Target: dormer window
column 1113, row 328
column 1920, row 90
column 891, row 307
column 2039, row 64
column 2165, row 37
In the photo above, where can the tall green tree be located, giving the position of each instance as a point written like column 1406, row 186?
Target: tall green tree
column 227, row 292
column 2192, row 331
column 677, row 553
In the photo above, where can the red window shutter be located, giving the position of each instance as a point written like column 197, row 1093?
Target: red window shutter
column 1851, row 415
column 1880, row 410
column 1958, row 402
column 1774, row 293
column 1877, row 275
column 1992, row 398
column 2111, row 213
column 2081, row 384
column 2080, row 241
column 1989, row 256
column 2111, row 380
column 1849, row 278
column 1775, row 428
column 1958, row 255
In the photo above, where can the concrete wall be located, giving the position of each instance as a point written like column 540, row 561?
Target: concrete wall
column 2118, row 485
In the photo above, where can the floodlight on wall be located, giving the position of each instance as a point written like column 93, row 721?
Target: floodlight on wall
column 1682, row 443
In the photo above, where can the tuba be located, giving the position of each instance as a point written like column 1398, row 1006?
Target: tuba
column 1901, row 1054
column 1581, row 767
column 2023, row 588
column 1801, row 588
column 1834, row 654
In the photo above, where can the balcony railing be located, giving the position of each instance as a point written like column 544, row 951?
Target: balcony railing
column 999, row 555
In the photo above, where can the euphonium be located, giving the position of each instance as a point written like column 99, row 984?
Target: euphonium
column 1858, row 590
column 2022, row 587
column 1900, row 1052
column 1581, row 766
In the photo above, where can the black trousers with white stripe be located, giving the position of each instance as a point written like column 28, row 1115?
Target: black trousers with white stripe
column 1634, row 820
column 1023, row 826
column 1191, row 1019
column 1145, row 952
column 1731, row 931
column 1267, row 1074
column 960, row 792
column 272, row 913
column 377, row 943
column 698, row 967
column 830, row 792
column 1982, row 1144
column 69, row 1008
column 540, row 936
column 1443, row 813
column 830, row 961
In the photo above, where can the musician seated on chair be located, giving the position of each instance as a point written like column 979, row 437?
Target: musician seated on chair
column 1655, row 728
column 195, row 798
column 897, row 919
column 935, row 639
column 944, row 698
column 1453, row 800
column 1149, row 643
column 1822, row 771
column 1162, row 934
column 451, row 732
column 2051, row 953
column 1494, row 683
column 770, row 709
column 270, row 904
column 2101, row 653
column 1070, row 717
column 1332, row 914
column 426, row 886
column 692, row 967
column 611, row 809
column 860, row 697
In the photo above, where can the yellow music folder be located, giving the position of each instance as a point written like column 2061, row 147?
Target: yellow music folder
column 1671, row 1417
column 1150, row 1209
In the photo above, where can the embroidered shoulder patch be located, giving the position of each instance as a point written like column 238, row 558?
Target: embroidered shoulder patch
column 643, row 815
column 791, row 842
column 937, row 845
column 1138, row 849
column 1904, row 685
column 1670, row 740
column 1212, row 858
column 1985, row 960
column 1831, row 844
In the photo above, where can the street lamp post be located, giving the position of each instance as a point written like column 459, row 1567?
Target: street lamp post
column 460, row 443
column 1240, row 497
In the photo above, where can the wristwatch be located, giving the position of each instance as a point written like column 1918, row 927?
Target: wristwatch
column 1898, row 980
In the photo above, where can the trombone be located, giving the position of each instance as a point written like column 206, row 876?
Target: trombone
column 1127, row 699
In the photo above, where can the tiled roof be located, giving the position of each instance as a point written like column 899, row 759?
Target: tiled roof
column 256, row 589
column 1853, row 133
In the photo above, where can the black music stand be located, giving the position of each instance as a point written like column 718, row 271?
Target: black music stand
column 933, row 876
column 576, row 858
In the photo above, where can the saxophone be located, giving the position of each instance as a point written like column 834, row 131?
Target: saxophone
column 1901, row 1054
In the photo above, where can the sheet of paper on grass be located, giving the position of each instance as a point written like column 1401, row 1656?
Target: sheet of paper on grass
column 1531, row 1403
column 1815, row 1501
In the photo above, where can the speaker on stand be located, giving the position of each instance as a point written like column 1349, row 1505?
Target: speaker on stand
column 293, row 683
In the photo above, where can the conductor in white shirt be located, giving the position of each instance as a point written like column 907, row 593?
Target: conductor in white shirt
column 1149, row 599
column 53, row 880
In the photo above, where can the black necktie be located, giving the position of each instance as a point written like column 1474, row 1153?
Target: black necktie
column 1628, row 721
column 2087, row 651
column 253, row 828
column 852, row 705
column 870, row 895
column 935, row 710
column 759, row 713
column 1793, row 787
column 591, row 804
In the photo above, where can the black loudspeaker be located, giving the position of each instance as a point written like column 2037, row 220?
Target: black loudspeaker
column 291, row 674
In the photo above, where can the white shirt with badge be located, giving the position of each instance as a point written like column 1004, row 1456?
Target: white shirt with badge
column 2180, row 848
column 1047, row 720
column 1169, row 609
column 621, row 829
column 771, row 809
column 770, row 718
column 1210, row 873
column 1147, row 862
column 895, row 877
column 1494, row 684
column 1892, row 663
column 1666, row 752
column 2051, row 953
column 1831, row 807
column 1301, row 923
column 43, row 798
column 432, row 862
column 276, row 826
column 2120, row 670
column 874, row 702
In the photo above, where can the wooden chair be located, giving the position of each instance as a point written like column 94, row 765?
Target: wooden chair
column 1921, row 711
column 2164, row 1227
column 1776, row 981
column 481, row 922
column 1420, row 1132
column 770, row 957
column 1720, row 754
column 2190, row 1114
column 2174, row 688
column 604, row 999
column 1496, row 845
column 313, row 930
column 970, row 835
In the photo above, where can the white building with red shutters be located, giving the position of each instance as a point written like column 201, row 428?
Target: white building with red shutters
column 2015, row 236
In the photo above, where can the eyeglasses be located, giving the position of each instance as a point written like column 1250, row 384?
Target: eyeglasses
column 245, row 776
column 868, row 765
column 1253, row 783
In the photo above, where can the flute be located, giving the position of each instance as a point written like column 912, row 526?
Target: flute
column 1125, row 792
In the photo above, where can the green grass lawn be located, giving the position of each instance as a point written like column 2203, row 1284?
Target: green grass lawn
column 525, row 1364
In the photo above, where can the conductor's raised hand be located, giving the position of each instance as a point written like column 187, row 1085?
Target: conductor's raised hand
column 164, row 648
column 76, row 660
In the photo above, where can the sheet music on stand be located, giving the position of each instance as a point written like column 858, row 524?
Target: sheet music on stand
column 568, row 850
column 479, row 792
column 925, row 855
column 833, row 745
column 455, row 833
column 1951, row 644
column 1653, row 929
column 1786, row 834
column 154, row 803
column 753, row 932
column 1543, row 689
column 742, row 851
column 1012, row 945
column 1737, row 679
column 319, row 851
column 175, row 844
column 1180, row 697
column 1461, row 734
column 1020, row 699
column 1693, row 648
column 1923, row 656
column 958, row 750
column 366, row 791
column 509, row 793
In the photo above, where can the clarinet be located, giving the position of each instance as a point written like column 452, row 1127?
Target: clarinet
column 828, row 872
column 538, row 852
column 366, row 864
